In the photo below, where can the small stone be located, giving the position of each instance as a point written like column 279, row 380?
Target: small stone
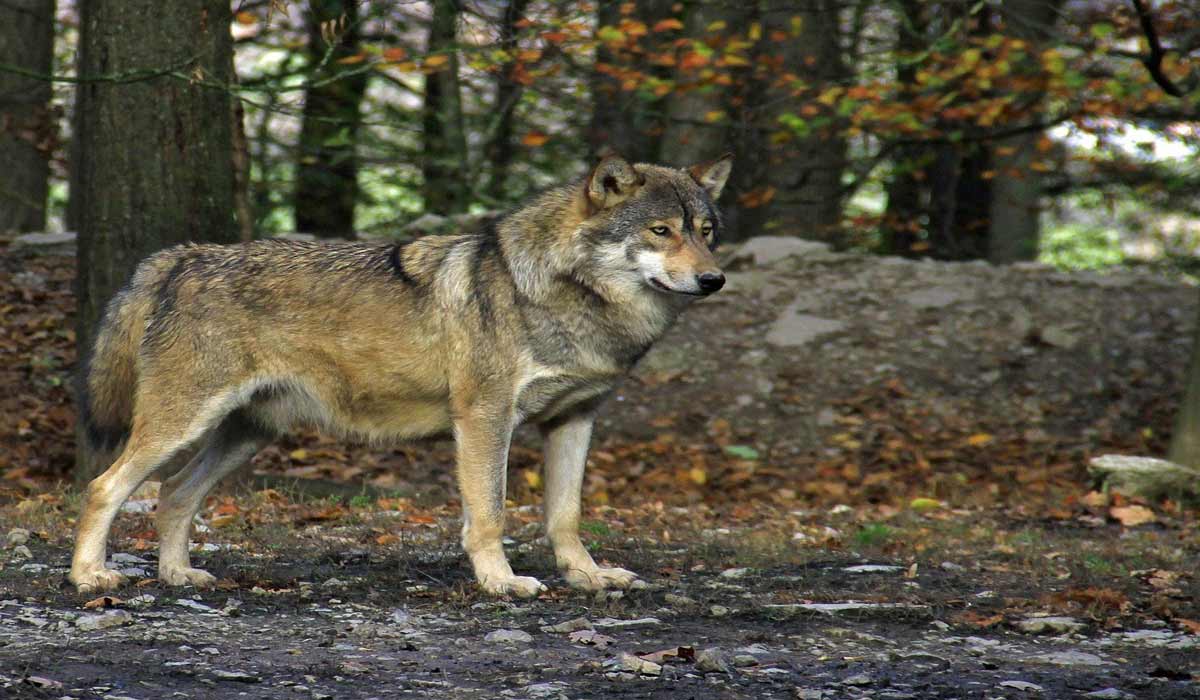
column 238, row 676
column 796, row 329
column 858, row 679
column 112, row 618
column 1070, row 658
column 140, row 601
column 711, row 661
column 1050, row 625
column 718, row 611
column 1023, row 685
column 16, row 537
column 22, row 552
column 574, row 625
column 808, row 693
column 951, row 566
column 123, row 558
column 873, row 569
column 193, row 605
column 735, row 573
column 636, row 664
column 504, row 636
column 610, row 623
column 334, row 583
column 1108, row 694
column 678, row 601
column 744, row 660
column 1059, row 337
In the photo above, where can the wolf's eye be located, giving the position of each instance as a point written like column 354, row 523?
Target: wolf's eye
column 706, row 230
column 660, row 230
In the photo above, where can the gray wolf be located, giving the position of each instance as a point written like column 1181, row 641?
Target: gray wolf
column 212, row 350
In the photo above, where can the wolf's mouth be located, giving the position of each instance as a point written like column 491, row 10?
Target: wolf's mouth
column 654, row 281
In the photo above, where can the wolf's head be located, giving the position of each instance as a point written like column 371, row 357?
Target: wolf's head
column 656, row 226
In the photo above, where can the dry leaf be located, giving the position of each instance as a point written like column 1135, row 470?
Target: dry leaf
column 104, row 601
column 1132, row 516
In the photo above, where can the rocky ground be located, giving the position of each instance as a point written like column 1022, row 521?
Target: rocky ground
column 843, row 477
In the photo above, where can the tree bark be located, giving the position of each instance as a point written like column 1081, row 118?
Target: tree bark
column 902, row 220
column 1016, row 210
column 156, row 166
column 508, row 94
column 327, row 170
column 687, row 138
column 1185, row 440
column 625, row 121
column 447, row 188
column 805, row 171
column 28, row 129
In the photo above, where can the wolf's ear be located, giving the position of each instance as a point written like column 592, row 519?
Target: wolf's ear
column 612, row 181
column 713, row 175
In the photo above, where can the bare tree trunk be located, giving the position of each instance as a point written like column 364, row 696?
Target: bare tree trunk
column 327, row 169
column 447, row 189
column 508, row 93
column 804, row 170
column 624, row 121
column 1016, row 209
column 1185, row 440
column 902, row 218
column 687, row 138
column 156, row 166
column 28, row 130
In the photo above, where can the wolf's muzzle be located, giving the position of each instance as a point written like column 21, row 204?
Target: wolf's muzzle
column 710, row 282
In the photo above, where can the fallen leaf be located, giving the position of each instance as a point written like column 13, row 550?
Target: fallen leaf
column 104, row 601
column 1132, row 516
column 672, row 654
column 924, row 504
column 741, row 451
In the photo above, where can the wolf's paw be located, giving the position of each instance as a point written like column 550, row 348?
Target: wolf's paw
column 519, row 586
column 187, row 577
column 599, row 578
column 97, row 580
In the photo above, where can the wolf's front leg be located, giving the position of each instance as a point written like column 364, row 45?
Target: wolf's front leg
column 483, row 434
column 566, row 456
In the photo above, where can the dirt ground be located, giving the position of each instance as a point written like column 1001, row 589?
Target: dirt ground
column 843, row 477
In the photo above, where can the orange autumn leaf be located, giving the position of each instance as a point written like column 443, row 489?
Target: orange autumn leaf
column 534, row 139
column 395, row 53
column 667, row 25
column 1132, row 516
column 351, row 60
column 246, row 18
column 436, row 61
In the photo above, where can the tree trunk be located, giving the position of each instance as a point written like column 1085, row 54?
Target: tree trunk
column 1016, row 210
column 902, row 223
column 628, row 122
column 156, row 166
column 27, row 128
column 1185, row 440
column 688, row 138
column 327, row 171
column 447, row 188
column 508, row 93
column 804, row 169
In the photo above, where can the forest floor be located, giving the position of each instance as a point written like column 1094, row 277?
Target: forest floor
column 843, row 477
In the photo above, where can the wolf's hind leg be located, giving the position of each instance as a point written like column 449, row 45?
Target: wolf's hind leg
column 228, row 447
column 483, row 435
column 147, row 449
column 566, row 446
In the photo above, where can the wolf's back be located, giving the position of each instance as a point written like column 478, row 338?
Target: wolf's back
column 108, row 379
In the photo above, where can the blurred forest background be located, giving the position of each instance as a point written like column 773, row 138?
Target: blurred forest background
column 1002, row 130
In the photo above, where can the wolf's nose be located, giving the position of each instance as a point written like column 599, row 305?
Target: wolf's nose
column 710, row 282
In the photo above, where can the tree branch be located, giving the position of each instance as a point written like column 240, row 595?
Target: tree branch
column 1153, row 62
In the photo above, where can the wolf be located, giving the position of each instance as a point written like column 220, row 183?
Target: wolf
column 210, row 351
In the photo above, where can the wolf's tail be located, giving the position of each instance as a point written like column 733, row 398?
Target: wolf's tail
column 108, row 377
